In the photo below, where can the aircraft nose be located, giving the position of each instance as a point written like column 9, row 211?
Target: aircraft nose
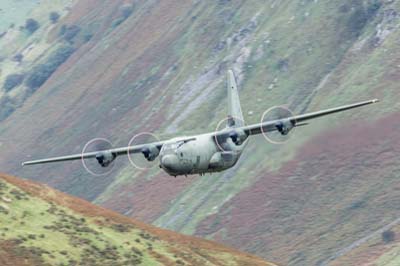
column 169, row 161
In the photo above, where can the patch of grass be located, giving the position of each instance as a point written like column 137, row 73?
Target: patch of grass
column 58, row 235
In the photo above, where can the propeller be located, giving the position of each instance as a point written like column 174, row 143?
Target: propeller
column 233, row 138
column 284, row 127
column 104, row 161
column 149, row 153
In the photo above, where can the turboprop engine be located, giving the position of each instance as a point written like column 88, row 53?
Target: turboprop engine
column 104, row 158
column 284, row 126
column 150, row 152
column 238, row 136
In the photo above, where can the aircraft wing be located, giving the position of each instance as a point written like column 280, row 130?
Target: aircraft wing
column 298, row 120
column 148, row 148
column 112, row 153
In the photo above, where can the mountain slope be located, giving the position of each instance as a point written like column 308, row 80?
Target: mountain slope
column 380, row 248
column 40, row 226
column 162, row 70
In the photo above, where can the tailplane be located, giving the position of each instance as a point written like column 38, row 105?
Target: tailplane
column 235, row 116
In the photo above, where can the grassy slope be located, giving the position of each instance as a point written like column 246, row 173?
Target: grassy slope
column 49, row 227
column 165, row 54
column 33, row 47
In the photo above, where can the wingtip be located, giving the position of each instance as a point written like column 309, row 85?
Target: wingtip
column 375, row 100
column 23, row 164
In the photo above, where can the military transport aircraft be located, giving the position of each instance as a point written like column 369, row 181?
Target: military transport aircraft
column 205, row 153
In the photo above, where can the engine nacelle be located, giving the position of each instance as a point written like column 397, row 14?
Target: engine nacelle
column 150, row 152
column 105, row 158
column 284, row 126
column 238, row 136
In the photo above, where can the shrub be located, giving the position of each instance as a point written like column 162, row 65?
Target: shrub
column 283, row 65
column 126, row 10
column 62, row 31
column 7, row 107
column 87, row 37
column 42, row 72
column 64, row 252
column 12, row 81
column 357, row 205
column 31, row 25
column 388, row 236
column 69, row 32
column 39, row 75
column 360, row 16
column 54, row 16
column 117, row 22
column 344, row 8
column 18, row 57
column 373, row 8
column 357, row 21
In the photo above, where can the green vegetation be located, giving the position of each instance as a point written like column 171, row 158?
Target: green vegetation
column 40, row 73
column 31, row 25
column 19, row 12
column 24, row 49
column 50, row 233
column 18, row 57
column 124, row 12
column 360, row 16
column 68, row 33
column 54, row 17
column 7, row 107
column 163, row 70
column 388, row 236
column 61, row 236
column 12, row 81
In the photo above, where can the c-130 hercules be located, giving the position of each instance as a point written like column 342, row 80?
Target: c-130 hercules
column 205, row 153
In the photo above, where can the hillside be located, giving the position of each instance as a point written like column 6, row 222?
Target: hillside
column 380, row 248
column 159, row 66
column 41, row 226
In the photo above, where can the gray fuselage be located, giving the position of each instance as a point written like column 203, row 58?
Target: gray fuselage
column 199, row 155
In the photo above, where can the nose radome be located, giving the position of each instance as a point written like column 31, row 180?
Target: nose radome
column 169, row 161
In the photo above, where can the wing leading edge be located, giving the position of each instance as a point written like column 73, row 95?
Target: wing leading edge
column 298, row 120
column 87, row 155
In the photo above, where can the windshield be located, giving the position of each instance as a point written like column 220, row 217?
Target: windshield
column 170, row 147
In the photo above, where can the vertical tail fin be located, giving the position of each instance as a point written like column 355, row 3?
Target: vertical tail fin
column 235, row 116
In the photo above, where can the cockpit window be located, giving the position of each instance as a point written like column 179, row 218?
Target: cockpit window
column 170, row 147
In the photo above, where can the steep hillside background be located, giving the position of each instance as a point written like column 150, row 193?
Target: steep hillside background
column 159, row 66
column 42, row 226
